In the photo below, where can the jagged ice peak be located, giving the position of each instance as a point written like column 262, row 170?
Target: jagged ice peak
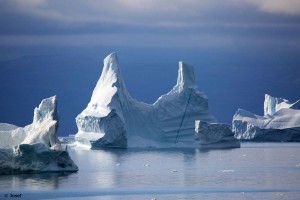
column 186, row 77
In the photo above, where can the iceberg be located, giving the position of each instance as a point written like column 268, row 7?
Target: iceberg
column 273, row 104
column 215, row 135
column 35, row 147
column 42, row 130
column 113, row 118
column 281, row 122
column 36, row 158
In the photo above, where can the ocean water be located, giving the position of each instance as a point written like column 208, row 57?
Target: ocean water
column 255, row 171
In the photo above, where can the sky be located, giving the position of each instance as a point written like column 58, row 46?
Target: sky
column 150, row 23
column 229, row 42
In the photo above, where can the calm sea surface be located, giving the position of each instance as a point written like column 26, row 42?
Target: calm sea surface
column 255, row 171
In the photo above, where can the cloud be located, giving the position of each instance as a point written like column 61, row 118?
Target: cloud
column 290, row 7
column 115, row 11
column 148, row 12
column 148, row 22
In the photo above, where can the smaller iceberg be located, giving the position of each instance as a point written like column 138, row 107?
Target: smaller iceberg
column 273, row 104
column 42, row 130
column 215, row 135
column 34, row 148
column 281, row 122
column 36, row 158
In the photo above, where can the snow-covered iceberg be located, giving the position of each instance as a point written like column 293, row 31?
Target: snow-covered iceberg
column 215, row 135
column 34, row 148
column 42, row 130
column 114, row 119
column 281, row 122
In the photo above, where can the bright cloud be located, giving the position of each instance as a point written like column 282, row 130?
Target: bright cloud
column 290, row 7
column 148, row 22
column 149, row 12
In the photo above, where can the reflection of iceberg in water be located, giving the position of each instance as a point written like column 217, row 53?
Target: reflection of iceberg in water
column 114, row 119
column 34, row 181
column 119, row 168
column 126, row 167
column 103, row 165
column 169, row 171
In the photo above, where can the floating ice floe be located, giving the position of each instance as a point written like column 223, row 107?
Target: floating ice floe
column 281, row 122
column 34, row 148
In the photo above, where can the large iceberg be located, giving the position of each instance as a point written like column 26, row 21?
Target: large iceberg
column 34, row 148
column 114, row 119
column 281, row 122
column 215, row 135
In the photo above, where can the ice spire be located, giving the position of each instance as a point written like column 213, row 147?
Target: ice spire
column 110, row 83
column 111, row 75
column 269, row 105
column 47, row 108
column 186, row 76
